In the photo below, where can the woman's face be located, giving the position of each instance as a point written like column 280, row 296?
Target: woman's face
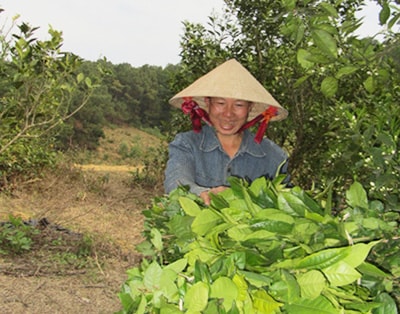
column 227, row 115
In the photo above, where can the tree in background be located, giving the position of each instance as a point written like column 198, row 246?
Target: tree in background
column 341, row 90
column 37, row 84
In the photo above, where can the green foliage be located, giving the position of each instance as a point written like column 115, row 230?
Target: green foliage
column 85, row 127
column 141, row 92
column 36, row 88
column 151, row 176
column 341, row 90
column 67, row 100
column 264, row 248
column 129, row 152
column 16, row 236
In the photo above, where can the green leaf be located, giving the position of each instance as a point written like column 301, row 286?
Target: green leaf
column 201, row 272
column 80, row 77
column 264, row 303
column 252, row 208
column 358, row 253
column 142, row 305
column 303, row 57
column 152, row 276
column 156, row 239
column 329, row 86
column 166, row 308
column 346, row 70
column 239, row 232
column 301, row 80
column 323, row 258
column 213, row 306
column 258, row 185
column 189, row 206
column 125, row 298
column 362, row 307
column 255, row 260
column 259, row 235
column 88, row 82
column 369, row 84
column 196, row 297
column 341, row 274
column 241, row 286
column 330, row 9
column 292, row 287
column 168, row 286
column 224, row 288
column 255, row 279
column 325, row 42
column 233, row 215
column 371, row 270
column 273, row 214
column 311, row 284
column 319, row 305
column 291, row 204
column 356, row 196
column 312, row 205
column 205, row 221
column 289, row 4
column 238, row 259
column 238, row 204
column 202, row 254
column 274, row 226
column 178, row 265
column 180, row 226
column 388, row 305
column 218, row 201
column 384, row 14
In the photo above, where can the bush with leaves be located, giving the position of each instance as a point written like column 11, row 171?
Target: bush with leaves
column 16, row 236
column 265, row 248
column 341, row 90
column 37, row 84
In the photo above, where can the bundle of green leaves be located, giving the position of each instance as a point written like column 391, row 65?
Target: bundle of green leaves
column 261, row 248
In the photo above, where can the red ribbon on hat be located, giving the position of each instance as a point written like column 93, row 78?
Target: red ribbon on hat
column 197, row 114
column 264, row 117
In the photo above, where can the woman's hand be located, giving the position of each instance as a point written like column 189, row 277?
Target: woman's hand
column 206, row 194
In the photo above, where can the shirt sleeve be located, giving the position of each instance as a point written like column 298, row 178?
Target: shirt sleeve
column 180, row 170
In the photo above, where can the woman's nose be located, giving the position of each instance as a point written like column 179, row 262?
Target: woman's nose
column 228, row 110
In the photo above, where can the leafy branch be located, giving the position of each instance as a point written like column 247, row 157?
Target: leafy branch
column 264, row 248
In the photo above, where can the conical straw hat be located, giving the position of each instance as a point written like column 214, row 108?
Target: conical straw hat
column 230, row 80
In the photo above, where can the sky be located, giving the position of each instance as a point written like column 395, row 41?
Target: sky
column 138, row 32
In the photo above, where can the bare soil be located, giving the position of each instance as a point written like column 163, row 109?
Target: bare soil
column 90, row 220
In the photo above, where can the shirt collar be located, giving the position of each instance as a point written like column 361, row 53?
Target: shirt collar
column 210, row 142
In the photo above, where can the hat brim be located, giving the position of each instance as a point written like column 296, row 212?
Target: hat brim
column 230, row 80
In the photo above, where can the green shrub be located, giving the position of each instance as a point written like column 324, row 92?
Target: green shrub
column 123, row 150
column 16, row 236
column 264, row 248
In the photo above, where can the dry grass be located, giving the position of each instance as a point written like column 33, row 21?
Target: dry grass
column 93, row 200
column 132, row 139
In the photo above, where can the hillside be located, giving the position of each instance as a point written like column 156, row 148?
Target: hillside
column 91, row 205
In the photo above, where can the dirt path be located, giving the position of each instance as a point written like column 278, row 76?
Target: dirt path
column 109, row 168
column 98, row 201
column 61, row 294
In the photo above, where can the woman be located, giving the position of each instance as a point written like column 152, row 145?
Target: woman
column 204, row 158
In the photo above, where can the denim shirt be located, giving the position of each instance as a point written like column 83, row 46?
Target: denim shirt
column 199, row 161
